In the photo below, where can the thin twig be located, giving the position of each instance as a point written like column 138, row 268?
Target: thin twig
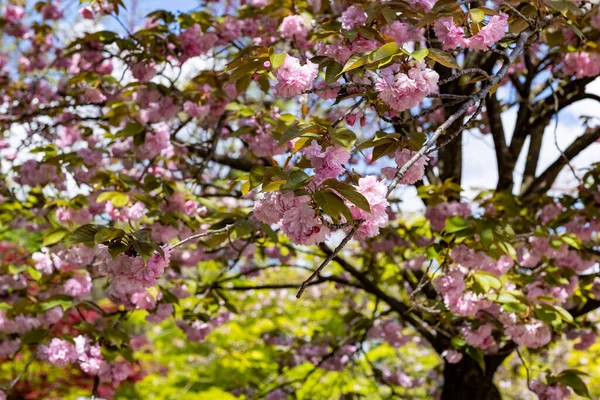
column 329, row 258
column 18, row 377
column 225, row 229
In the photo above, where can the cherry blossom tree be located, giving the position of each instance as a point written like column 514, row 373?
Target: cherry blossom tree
column 185, row 173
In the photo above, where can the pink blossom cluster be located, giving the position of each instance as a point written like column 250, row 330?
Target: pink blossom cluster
column 452, row 356
column 555, row 391
column 127, row 213
column 533, row 334
column 534, row 291
column 481, row 337
column 80, row 216
column 131, row 274
column 438, row 214
column 400, row 378
column 293, row 78
column 402, row 32
column 581, row 65
column 390, row 331
column 353, row 16
column 195, row 43
column 197, row 331
column 155, row 142
column 58, row 352
column 9, row 347
column 296, row 218
column 586, row 338
column 33, row 173
column 471, row 260
column 452, row 36
column 293, row 27
column 375, row 191
column 328, row 163
column 79, row 285
column 413, row 174
column 402, row 91
column 540, row 250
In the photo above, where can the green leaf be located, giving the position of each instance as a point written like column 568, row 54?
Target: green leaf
column 385, row 51
column 343, row 137
column 118, row 199
column 277, row 59
column 257, row 174
column 35, row 336
column 333, row 70
column 457, row 223
column 108, row 234
column 574, row 381
column 572, row 241
column 54, row 237
column 333, row 205
column 85, row 234
column 486, row 281
column 34, row 273
column 420, row 54
column 356, row 198
column 476, row 355
column 442, row 57
column 514, row 307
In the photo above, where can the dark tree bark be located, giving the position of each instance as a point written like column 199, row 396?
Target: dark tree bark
column 466, row 381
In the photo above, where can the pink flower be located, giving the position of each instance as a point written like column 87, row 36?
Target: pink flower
column 270, row 210
column 489, row 34
column 452, row 356
column 533, row 334
column 402, row 32
column 327, row 164
column 581, row 65
column 451, row 285
column 89, row 356
column 9, row 347
column 263, row 144
column 13, row 14
column 550, row 212
column 79, row 285
column 94, row 96
column 587, row 339
column 51, row 11
column 155, row 142
column 293, row 27
column 414, row 173
column 354, row 15
column 293, row 79
column 402, row 91
column 426, row 5
column 438, row 214
column 480, row 338
column 468, row 304
column 86, row 13
column 375, row 192
column 302, row 226
column 163, row 311
column 195, row 43
column 59, row 353
column 143, row 71
column 447, row 31
column 552, row 392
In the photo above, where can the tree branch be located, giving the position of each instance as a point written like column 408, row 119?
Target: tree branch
column 545, row 181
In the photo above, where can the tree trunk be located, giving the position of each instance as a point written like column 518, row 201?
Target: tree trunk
column 466, row 381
